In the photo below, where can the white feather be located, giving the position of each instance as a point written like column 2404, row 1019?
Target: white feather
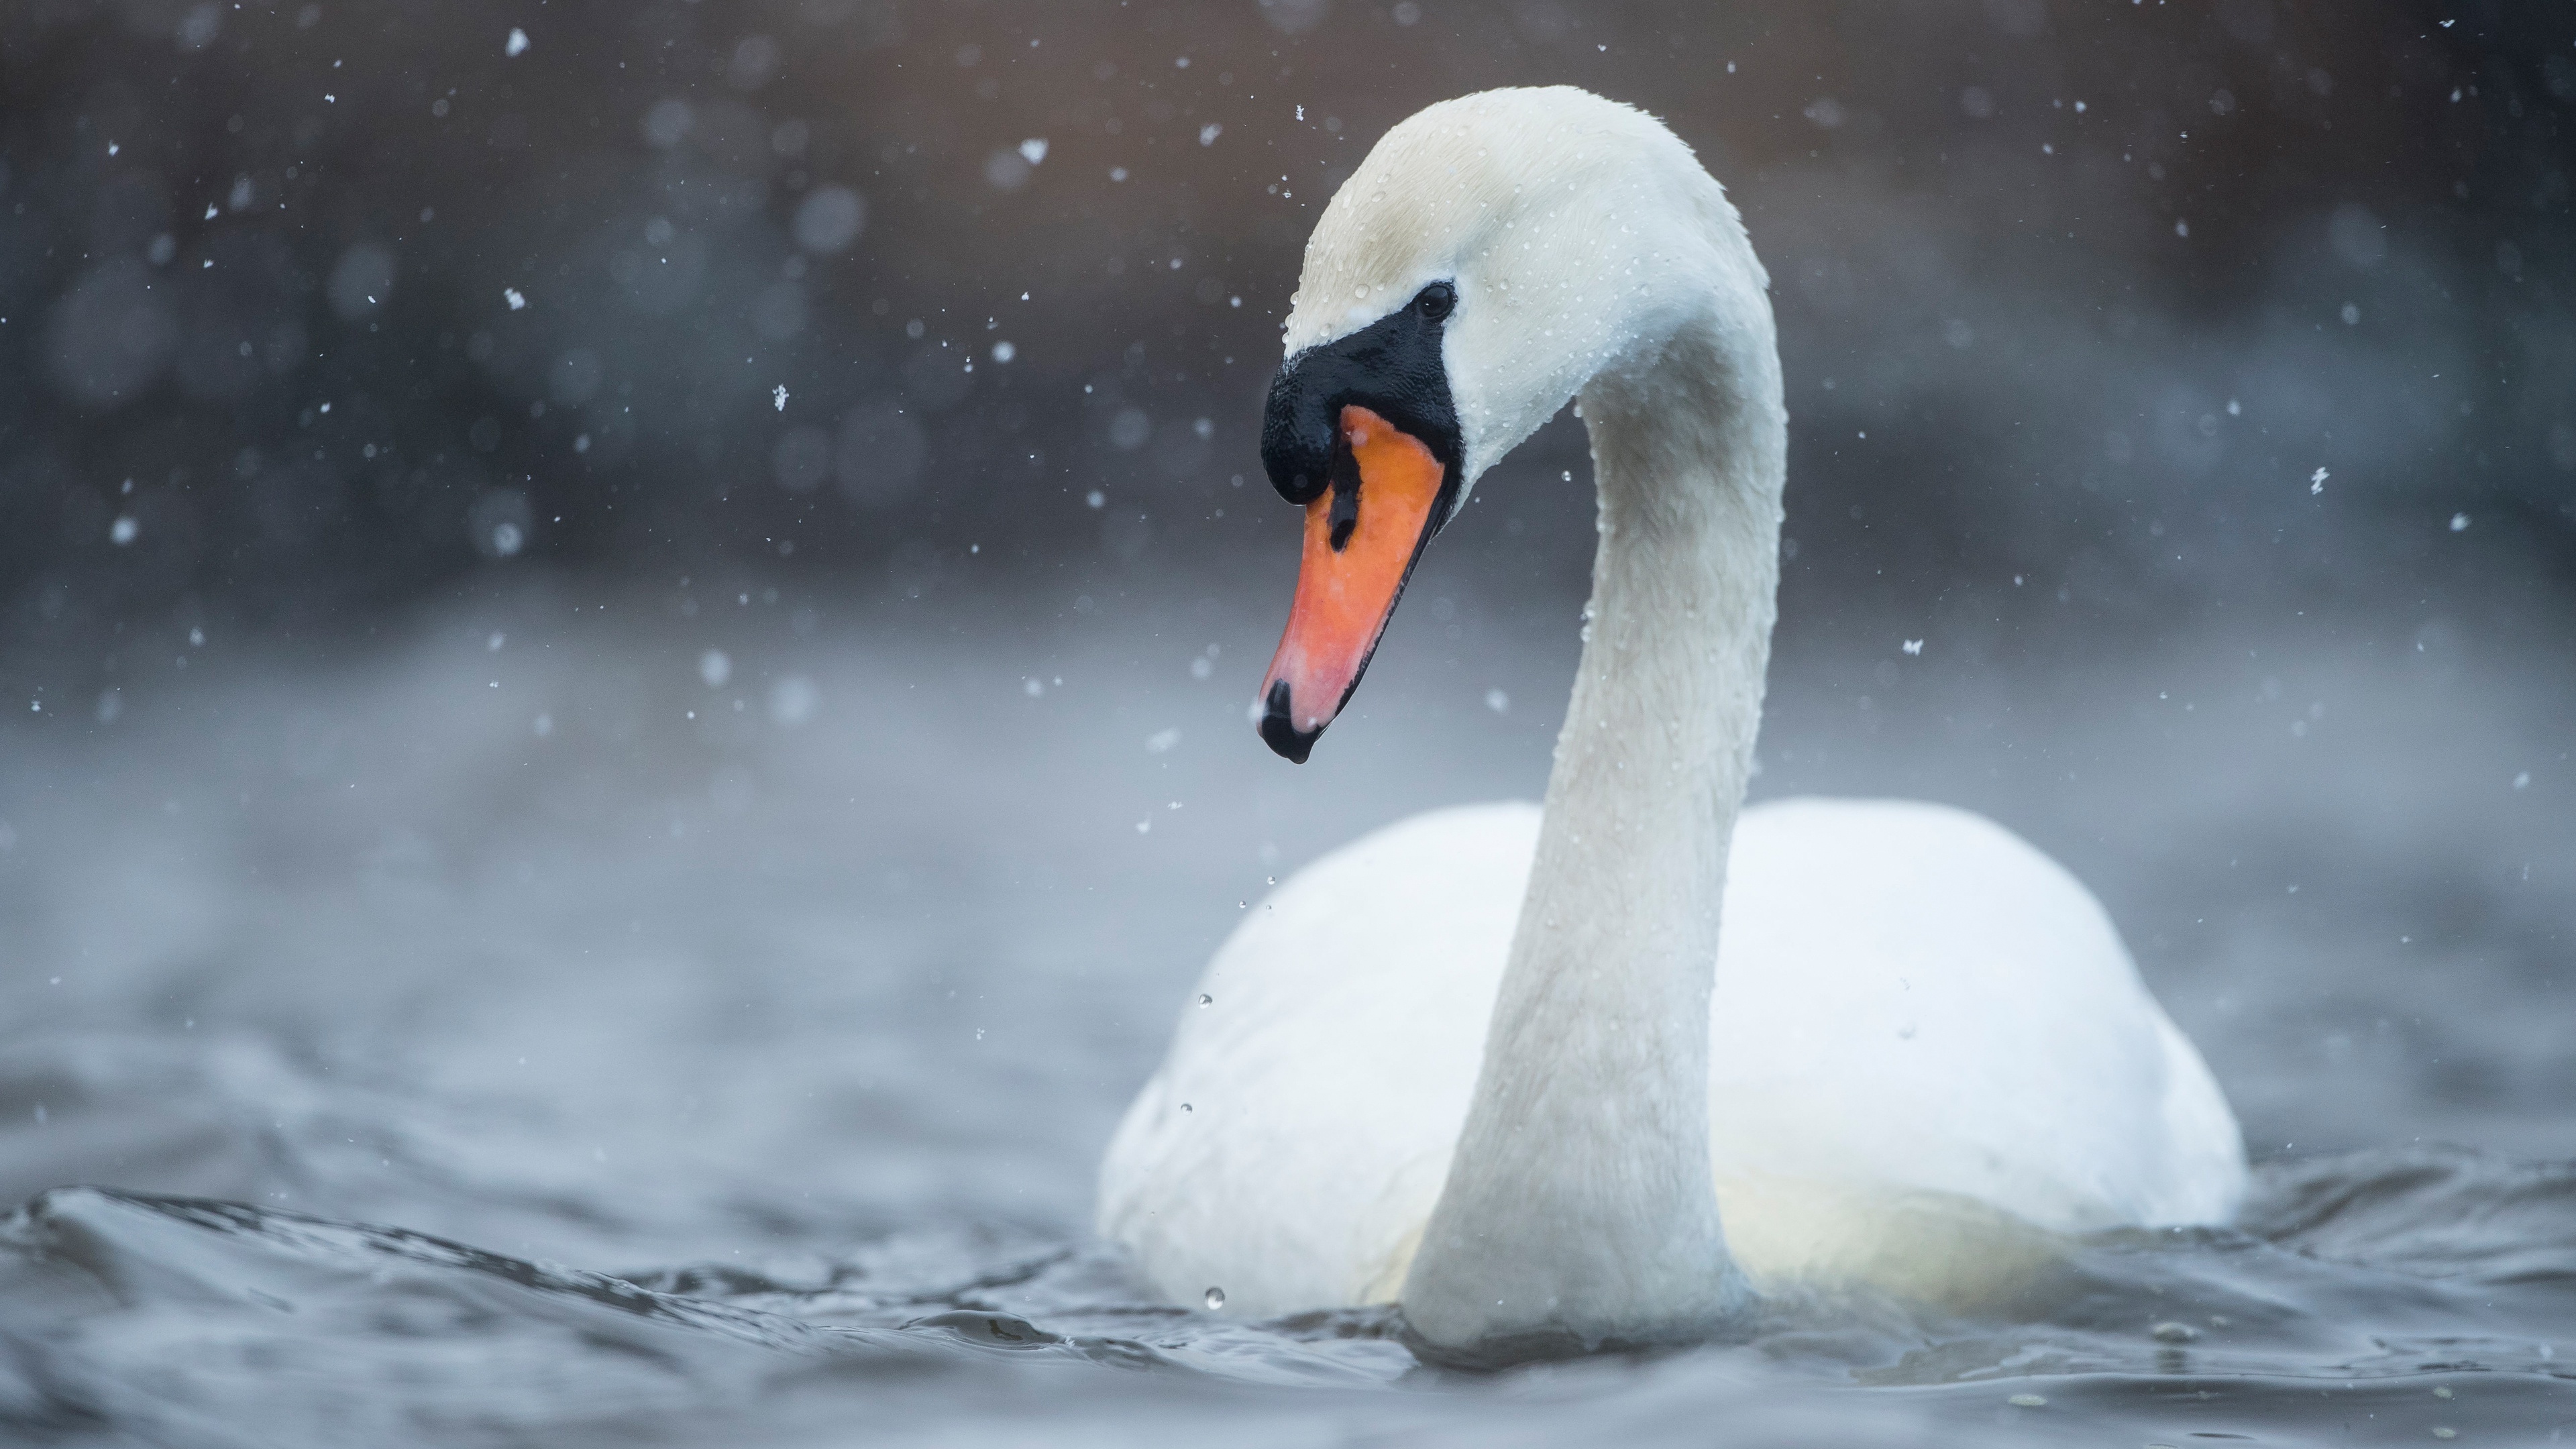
column 1911, row 1001
column 1498, row 1063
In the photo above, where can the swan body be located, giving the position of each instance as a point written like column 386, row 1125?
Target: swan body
column 1916, row 1014
column 1500, row 1065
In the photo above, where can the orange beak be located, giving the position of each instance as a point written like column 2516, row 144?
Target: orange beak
column 1363, row 534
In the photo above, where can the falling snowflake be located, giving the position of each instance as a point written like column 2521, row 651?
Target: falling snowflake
column 778, row 395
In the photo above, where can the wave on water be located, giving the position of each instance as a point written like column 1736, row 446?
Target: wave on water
column 801, row 1039
column 2387, row 1295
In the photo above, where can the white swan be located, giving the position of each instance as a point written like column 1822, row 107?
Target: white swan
column 1493, row 1062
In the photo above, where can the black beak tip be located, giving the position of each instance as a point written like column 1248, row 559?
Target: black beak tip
column 1284, row 739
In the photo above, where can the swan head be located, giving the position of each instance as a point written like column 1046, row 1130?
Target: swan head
column 1491, row 257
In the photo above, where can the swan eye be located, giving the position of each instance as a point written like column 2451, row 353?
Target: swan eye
column 1436, row 301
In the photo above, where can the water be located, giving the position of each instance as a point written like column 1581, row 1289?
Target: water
column 692, row 1073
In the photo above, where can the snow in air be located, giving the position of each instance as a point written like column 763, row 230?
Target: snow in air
column 517, row 44
column 793, row 700
column 514, row 297
column 778, row 395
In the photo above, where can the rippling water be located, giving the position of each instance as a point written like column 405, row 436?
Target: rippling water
column 531, row 1042
column 2370, row 1297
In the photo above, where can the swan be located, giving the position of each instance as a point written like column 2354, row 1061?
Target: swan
column 1495, row 1064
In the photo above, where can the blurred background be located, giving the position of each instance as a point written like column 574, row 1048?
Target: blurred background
column 624, row 626
column 317, row 313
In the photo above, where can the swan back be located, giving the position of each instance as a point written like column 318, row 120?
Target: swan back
column 1291, row 1146
column 1929, row 1056
column 1911, row 993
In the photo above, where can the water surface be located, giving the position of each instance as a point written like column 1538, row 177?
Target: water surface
column 538, row 1030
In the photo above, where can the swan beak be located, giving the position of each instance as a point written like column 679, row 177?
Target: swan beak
column 1363, row 535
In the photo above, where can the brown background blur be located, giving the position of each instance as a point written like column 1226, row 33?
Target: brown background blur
column 2084, row 293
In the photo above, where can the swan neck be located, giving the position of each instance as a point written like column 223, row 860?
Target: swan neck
column 1580, row 1201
